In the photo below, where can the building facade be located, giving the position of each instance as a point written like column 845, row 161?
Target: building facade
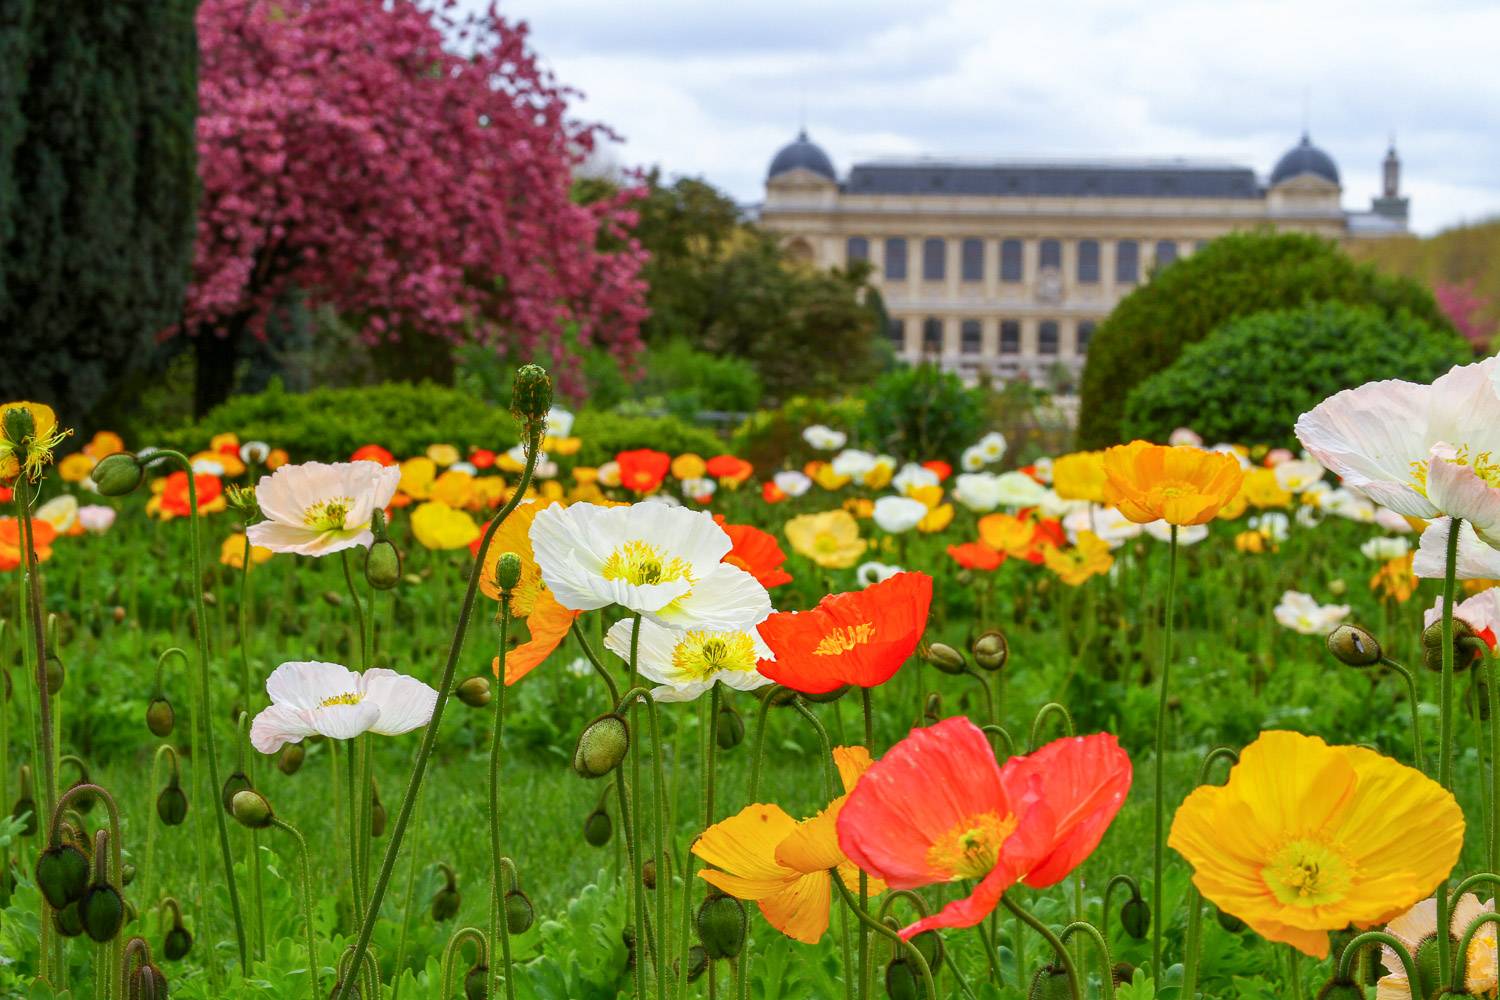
column 1007, row 267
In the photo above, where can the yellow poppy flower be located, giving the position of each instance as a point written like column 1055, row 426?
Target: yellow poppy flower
column 1182, row 485
column 1089, row 557
column 1262, row 489
column 438, row 526
column 880, row 474
column 830, row 539
column 763, row 854
column 1234, row 508
column 454, row 488
column 1250, row 541
column 75, row 468
column 863, row 508
column 1079, row 476
column 585, row 475
column 689, row 466
column 825, row 476
column 1307, row 838
column 36, row 446
column 442, row 455
column 232, row 552
column 937, row 519
column 562, row 445
column 104, row 443
column 930, row 495
column 417, row 475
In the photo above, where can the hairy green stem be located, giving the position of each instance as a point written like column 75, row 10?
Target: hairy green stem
column 1158, row 860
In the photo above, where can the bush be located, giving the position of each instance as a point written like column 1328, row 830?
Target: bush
column 1250, row 379
column 922, row 413
column 772, row 439
column 1233, row 276
column 607, row 434
column 689, row 380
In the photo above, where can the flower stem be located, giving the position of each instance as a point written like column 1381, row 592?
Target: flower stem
column 1064, row 957
column 913, row 955
column 499, row 924
column 1411, row 697
column 242, row 615
column 1158, row 918
column 1106, row 967
column 1445, row 739
column 303, row 879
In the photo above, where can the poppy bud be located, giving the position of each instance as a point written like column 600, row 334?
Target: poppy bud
column 648, row 873
column 1122, row 973
column 477, row 983
column 148, row 983
column 57, row 675
column 118, row 614
column 530, row 399
column 62, row 874
column 382, row 564
column 1135, row 917
column 1467, row 646
column 601, row 746
column 160, row 718
column 177, row 942
column 289, row 760
column 697, row 963
column 508, row 571
column 991, row 650
column 1229, row 921
column 722, row 925
column 102, row 912
column 127, row 876
column 730, row 728
column 68, row 921
column 1354, row 646
column 598, row 828
column 445, row 902
column 933, row 708
column 519, row 913
column 233, row 785
column 930, row 945
column 1337, row 587
column 902, row 981
column 1050, row 983
column 333, row 599
column 118, row 474
column 172, row 804
column 826, row 697
column 945, row 658
column 474, row 692
column 251, row 809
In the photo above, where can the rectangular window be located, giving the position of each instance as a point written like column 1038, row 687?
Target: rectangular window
column 932, row 335
column 973, row 260
column 1127, row 262
column 970, row 336
column 1010, row 336
column 1051, row 254
column 1085, row 334
column 896, row 331
column 1166, row 252
column 1088, row 262
column 1046, row 338
column 934, row 260
column 857, row 248
column 895, row 258
column 1011, row 266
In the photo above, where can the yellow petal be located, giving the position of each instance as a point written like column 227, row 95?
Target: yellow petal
column 745, row 843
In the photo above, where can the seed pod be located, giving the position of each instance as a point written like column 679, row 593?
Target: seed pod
column 902, row 982
column 233, row 785
column 62, row 874
column 333, row 599
column 446, row 901
column 697, row 963
column 722, row 926
column 1354, row 646
column 598, row 828
column 946, row 658
column 160, row 718
column 1467, row 647
column 1050, row 983
column 1135, row 917
column 251, row 809
column 382, row 564
column 530, row 399
column 933, row 708
column 991, row 650
column 648, row 873
column 102, row 911
column 57, row 674
column 507, row 571
column 519, row 913
column 68, row 921
column 474, row 692
column 477, row 983
column 601, row 746
column 289, row 760
column 172, row 805
column 730, row 728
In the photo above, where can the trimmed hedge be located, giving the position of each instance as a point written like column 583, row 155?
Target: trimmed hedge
column 1235, row 275
column 772, row 439
column 1250, row 379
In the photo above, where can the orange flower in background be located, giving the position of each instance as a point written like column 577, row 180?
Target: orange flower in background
column 976, row 555
column 1021, row 537
column 11, row 556
column 75, row 468
column 482, row 458
column 861, row 507
column 943, row 469
column 276, row 459
column 860, row 638
column 531, row 601
column 757, row 553
column 729, row 469
column 104, row 443
column 1395, row 580
column 689, row 466
column 939, row 808
column 173, row 499
column 225, row 443
column 763, row 854
column 643, row 470
column 1088, row 558
column 373, row 453
column 771, row 493
column 1181, row 485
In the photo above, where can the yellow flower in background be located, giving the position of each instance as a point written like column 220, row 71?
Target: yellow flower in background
column 1250, row 541
column 228, row 462
column 689, row 466
column 489, row 491
column 881, row 473
column 454, row 488
column 442, row 455
column 1181, row 485
column 1079, row 476
column 585, row 475
column 1395, row 581
column 561, row 445
column 75, row 468
column 36, row 446
column 825, row 476
column 506, row 462
column 104, row 443
column 232, row 552
column 417, row 475
column 228, row 441
column 830, row 539
column 1234, row 508
column 1262, row 489
column 862, row 508
column 551, row 490
column 1089, row 557
column 1307, row 838
column 937, row 519
column 930, row 495
column 438, row 526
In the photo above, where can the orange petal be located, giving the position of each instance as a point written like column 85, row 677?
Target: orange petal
column 801, row 910
column 549, row 623
column 852, row 762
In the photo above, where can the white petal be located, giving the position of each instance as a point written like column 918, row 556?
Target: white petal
column 1370, row 436
column 344, row 722
column 279, row 537
column 1476, row 560
column 1458, row 492
column 304, row 684
column 405, row 703
column 726, row 600
column 277, row 726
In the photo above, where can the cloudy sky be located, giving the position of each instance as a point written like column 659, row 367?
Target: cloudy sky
column 713, row 88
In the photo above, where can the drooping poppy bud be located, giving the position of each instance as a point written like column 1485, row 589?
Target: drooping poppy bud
column 991, row 650
column 477, row 982
column 598, row 828
column 234, row 784
column 946, row 658
column 57, row 674
column 447, row 900
column 251, row 809
column 1354, row 646
column 160, row 718
column 172, row 804
column 519, row 913
column 827, row 697
column 930, row 945
column 62, row 874
column 1050, row 983
column 729, row 729
column 289, row 760
column 697, row 963
column 68, row 921
column 118, row 474
column 601, row 746
column 1135, row 917
column 902, row 981
column 722, row 925
column 474, row 692
column 102, row 911
column 148, row 983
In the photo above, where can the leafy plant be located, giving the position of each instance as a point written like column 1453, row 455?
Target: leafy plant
column 921, row 413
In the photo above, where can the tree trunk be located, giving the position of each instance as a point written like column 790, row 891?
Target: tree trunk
column 216, row 350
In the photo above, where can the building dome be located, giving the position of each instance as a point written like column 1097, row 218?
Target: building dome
column 802, row 154
column 1305, row 158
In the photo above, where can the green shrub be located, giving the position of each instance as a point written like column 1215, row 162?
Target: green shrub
column 1250, row 379
column 1233, row 276
column 772, row 439
column 689, row 380
column 607, row 434
column 922, row 413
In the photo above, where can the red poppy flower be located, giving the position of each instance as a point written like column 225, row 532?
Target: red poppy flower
column 174, row 496
column 7, row 494
column 729, row 467
column 373, row 453
column 771, row 493
column 943, row 469
column 860, row 638
column 938, row 808
column 976, row 555
column 757, row 553
column 481, row 458
column 643, row 470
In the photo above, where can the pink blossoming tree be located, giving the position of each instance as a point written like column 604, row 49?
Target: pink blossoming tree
column 1462, row 303
column 409, row 167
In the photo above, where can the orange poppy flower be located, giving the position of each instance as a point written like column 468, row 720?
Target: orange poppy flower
column 730, row 469
column 859, row 638
column 943, row 469
column 1020, row 537
column 546, row 620
column 1182, row 485
column 174, row 495
column 482, row 458
column 771, row 493
column 757, row 553
column 643, row 470
column 11, row 556
column 976, row 555
column 373, row 453
column 938, row 808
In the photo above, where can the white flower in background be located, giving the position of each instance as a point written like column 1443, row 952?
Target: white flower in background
column 579, row 666
column 1224, row 448
column 314, row 509
column 1274, row 525
column 467, row 468
column 911, row 475
column 699, row 489
column 1185, row 436
column 1042, row 469
column 792, row 483
column 208, row 467
column 992, row 446
column 1388, row 520
column 870, row 573
column 329, row 699
column 1476, row 560
column 1482, row 611
column 1017, row 489
column 824, row 438
column 687, row 664
column 1309, row 516
column 1418, row 926
column 1277, row 456
column 518, row 455
column 61, row 512
column 609, row 473
column 899, row 514
column 96, row 518
column 1316, row 494
column 660, row 561
column 853, row 463
column 664, row 499
column 978, row 491
column 559, row 423
column 972, row 460
column 1187, row 534
column 1385, row 548
column 1347, row 503
column 254, row 452
column 1296, row 475
column 1301, row 613
column 1106, row 522
column 1054, row 506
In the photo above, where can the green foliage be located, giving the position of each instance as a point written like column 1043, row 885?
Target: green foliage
column 1233, row 276
column 97, row 179
column 607, row 434
column 922, row 413
column 772, row 439
column 689, row 380
column 1251, row 378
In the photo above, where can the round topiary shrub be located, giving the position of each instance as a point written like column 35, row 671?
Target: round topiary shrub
column 1250, row 379
column 1233, row 276
column 921, row 413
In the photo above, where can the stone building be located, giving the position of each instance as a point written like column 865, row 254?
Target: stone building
column 1007, row 266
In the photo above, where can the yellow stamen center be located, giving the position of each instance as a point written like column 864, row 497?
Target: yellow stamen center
column 641, row 563
column 1308, row 873
column 845, row 638
column 328, row 515
column 347, row 698
column 1483, row 465
column 972, row 847
column 701, row 655
column 826, row 543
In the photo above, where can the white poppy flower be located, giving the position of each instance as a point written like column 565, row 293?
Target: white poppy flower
column 1302, row 613
column 1482, row 611
column 61, row 512
column 897, row 515
column 1185, row 436
column 1347, row 503
column 870, row 573
column 1187, row 534
column 314, row 509
column 853, row 463
column 650, row 558
column 1476, row 560
column 1418, row 926
column 1042, row 469
column 978, row 491
column 1388, row 520
column 911, row 476
column 1017, row 489
column 824, row 438
column 254, row 452
column 1295, row 475
column 687, row 664
column 329, row 699
column 1276, row 456
column 609, row 473
column 1385, row 548
column 559, row 423
column 972, row 460
column 1274, row 525
column 1106, row 522
column 96, row 518
column 467, row 468
column 699, row 489
column 792, row 483
column 1053, row 506
column 992, row 446
column 208, row 467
